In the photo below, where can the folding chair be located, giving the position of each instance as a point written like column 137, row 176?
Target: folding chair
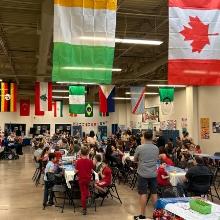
column 112, row 189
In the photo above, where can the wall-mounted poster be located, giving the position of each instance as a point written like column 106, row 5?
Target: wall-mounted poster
column 151, row 115
column 168, row 125
column 216, row 127
column 205, row 130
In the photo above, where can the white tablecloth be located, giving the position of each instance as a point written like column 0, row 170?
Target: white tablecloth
column 127, row 155
column 69, row 176
column 183, row 210
column 176, row 178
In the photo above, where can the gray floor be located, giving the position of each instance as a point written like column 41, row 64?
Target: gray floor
column 21, row 200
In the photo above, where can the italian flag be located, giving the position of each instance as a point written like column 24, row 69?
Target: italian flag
column 84, row 40
column 58, row 108
column 77, row 99
column 194, row 42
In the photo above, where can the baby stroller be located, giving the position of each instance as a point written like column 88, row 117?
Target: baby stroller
column 8, row 153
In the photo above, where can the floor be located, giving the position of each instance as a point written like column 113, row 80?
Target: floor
column 21, row 200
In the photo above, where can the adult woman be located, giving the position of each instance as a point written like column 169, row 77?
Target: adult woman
column 91, row 139
column 44, row 155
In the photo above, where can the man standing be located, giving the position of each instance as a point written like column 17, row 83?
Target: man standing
column 146, row 155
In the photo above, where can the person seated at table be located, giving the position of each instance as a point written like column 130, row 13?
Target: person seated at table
column 197, row 170
column 162, row 175
column 106, row 179
column 169, row 147
column 166, row 159
column 44, row 155
column 38, row 152
column 133, row 146
column 50, row 168
column 58, row 154
column 116, row 153
column 97, row 161
column 92, row 152
column 84, row 170
column 198, row 149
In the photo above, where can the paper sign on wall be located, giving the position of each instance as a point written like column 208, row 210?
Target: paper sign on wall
column 205, row 129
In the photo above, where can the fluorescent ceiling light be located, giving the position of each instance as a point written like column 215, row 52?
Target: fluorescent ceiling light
column 146, row 93
column 60, row 91
column 91, row 68
column 136, row 41
column 122, row 41
column 121, row 98
column 60, row 97
column 77, row 83
column 160, row 85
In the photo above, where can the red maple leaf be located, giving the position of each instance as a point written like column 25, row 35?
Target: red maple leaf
column 198, row 34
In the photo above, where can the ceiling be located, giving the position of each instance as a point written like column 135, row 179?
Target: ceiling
column 26, row 28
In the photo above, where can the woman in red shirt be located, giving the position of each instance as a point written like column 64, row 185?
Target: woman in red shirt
column 166, row 159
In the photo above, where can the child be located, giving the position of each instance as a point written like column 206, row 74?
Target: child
column 50, row 168
column 58, row 154
column 198, row 149
column 162, row 176
column 106, row 178
column 84, row 169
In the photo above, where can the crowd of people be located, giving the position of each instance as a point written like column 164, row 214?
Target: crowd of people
column 152, row 153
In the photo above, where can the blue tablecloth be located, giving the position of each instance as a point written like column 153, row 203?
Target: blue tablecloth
column 68, row 167
column 161, row 203
column 172, row 169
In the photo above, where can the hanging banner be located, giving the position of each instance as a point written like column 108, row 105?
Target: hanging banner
column 84, row 40
column 205, row 129
column 89, row 110
column 194, row 39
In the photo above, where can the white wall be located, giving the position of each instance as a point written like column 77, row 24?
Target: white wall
column 48, row 118
column 208, row 107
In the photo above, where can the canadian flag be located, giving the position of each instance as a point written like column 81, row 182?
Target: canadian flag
column 43, row 97
column 194, row 42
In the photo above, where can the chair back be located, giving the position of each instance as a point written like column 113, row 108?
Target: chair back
column 115, row 174
column 200, row 184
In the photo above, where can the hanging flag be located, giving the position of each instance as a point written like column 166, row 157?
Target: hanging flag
column 166, row 100
column 137, row 100
column 58, row 108
column 8, row 99
column 84, row 33
column 25, row 107
column 106, row 98
column 73, row 115
column 43, row 97
column 194, row 39
column 77, row 99
column 89, row 110
column 103, row 114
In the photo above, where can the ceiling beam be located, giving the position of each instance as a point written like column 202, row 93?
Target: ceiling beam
column 46, row 36
column 6, row 51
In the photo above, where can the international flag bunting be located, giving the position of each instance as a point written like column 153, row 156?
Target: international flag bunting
column 73, row 115
column 106, row 98
column 105, row 114
column 166, row 100
column 8, row 101
column 43, row 97
column 89, row 110
column 77, row 99
column 194, row 39
column 58, row 108
column 84, row 34
column 25, row 107
column 137, row 100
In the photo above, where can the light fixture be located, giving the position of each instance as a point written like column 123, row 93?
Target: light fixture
column 60, row 97
column 160, row 85
column 91, row 68
column 136, row 41
column 146, row 93
column 122, row 41
column 60, row 91
column 121, row 98
column 0, row 80
column 77, row 83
